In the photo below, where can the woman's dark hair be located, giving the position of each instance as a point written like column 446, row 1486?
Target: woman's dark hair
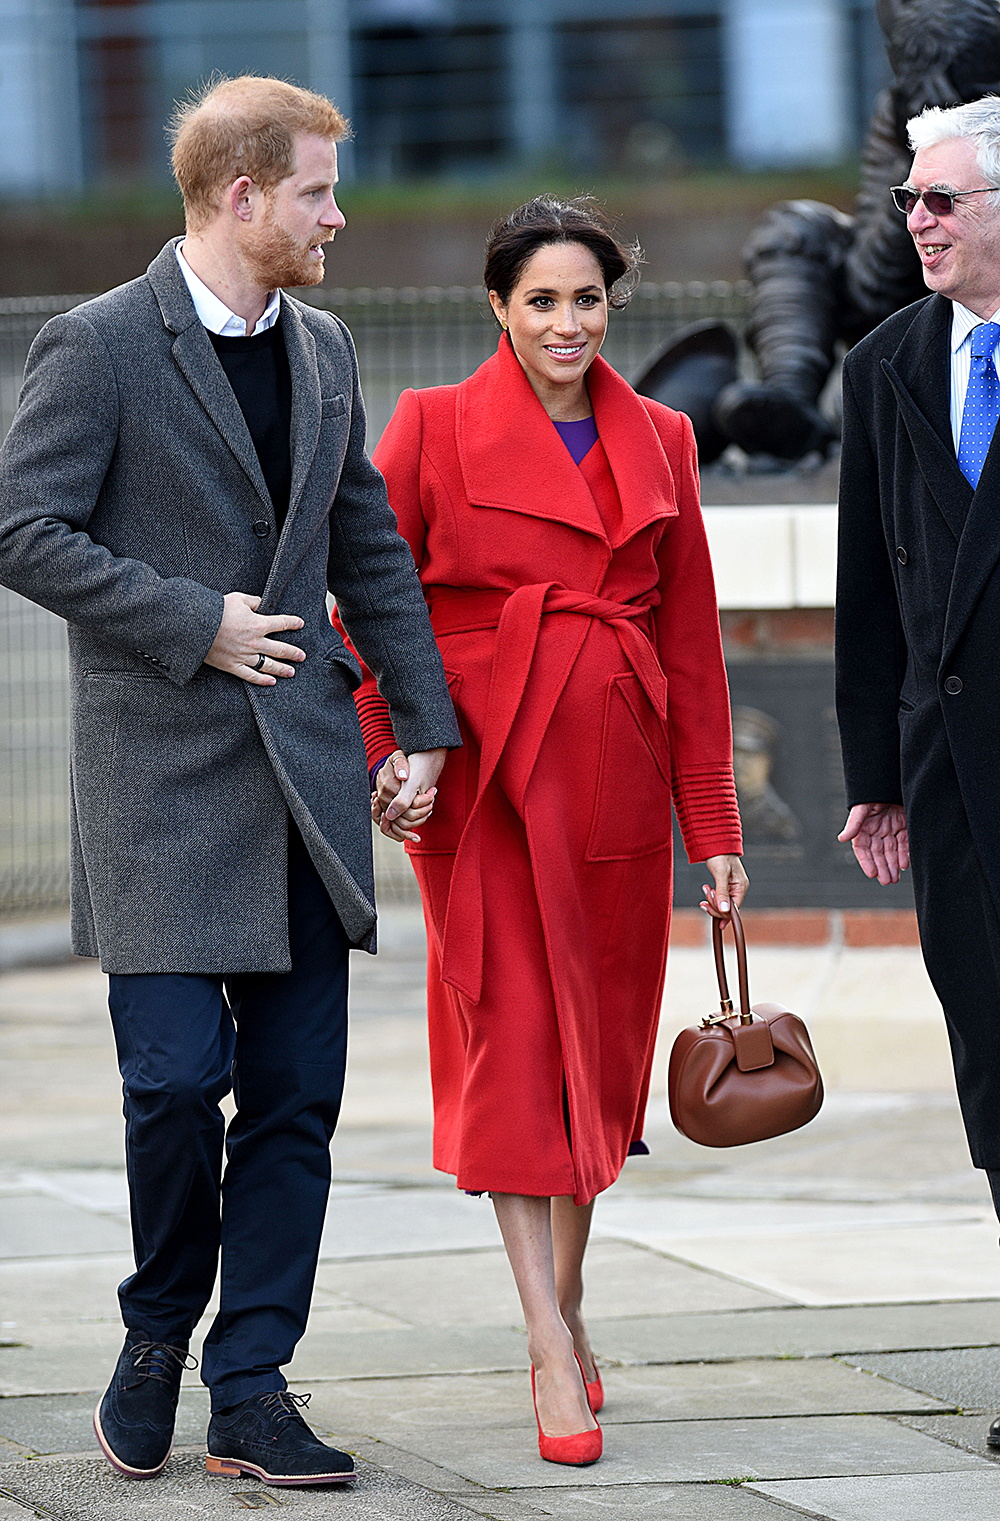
column 516, row 237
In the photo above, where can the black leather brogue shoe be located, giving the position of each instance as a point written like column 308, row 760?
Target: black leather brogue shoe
column 266, row 1436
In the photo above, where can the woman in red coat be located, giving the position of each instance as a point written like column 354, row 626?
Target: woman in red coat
column 554, row 519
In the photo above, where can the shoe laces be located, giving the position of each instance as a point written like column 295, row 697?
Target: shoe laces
column 153, row 1359
column 282, row 1405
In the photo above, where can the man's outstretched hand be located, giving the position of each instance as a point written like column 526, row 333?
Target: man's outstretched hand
column 877, row 831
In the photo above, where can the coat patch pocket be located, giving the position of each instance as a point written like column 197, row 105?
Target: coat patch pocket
column 440, row 835
column 632, row 805
column 333, row 406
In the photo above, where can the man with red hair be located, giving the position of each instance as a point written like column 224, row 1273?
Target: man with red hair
column 184, row 482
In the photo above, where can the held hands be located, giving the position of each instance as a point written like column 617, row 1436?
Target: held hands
column 878, row 834
column 243, row 637
column 404, row 792
column 731, row 883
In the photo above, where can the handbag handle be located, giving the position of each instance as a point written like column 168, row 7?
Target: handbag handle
column 718, row 925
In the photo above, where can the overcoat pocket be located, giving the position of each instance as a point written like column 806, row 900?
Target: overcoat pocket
column 340, row 659
column 632, row 805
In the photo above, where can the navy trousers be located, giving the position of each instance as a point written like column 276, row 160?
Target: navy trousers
column 279, row 1043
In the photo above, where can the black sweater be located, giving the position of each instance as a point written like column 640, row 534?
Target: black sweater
column 257, row 370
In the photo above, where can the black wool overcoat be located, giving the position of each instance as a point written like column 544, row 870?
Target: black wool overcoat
column 918, row 670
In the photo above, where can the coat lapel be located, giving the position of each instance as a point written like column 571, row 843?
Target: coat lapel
column 307, row 410
column 978, row 549
column 915, row 373
column 512, row 458
column 200, row 366
column 635, row 453
column 307, row 413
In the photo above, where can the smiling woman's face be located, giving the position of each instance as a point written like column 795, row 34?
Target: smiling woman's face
column 557, row 317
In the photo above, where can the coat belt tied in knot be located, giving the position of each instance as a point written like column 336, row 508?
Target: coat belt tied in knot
column 517, row 618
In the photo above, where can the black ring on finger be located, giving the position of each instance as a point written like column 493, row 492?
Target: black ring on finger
column 260, row 661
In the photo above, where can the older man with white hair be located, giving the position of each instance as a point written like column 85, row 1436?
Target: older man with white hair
column 918, row 597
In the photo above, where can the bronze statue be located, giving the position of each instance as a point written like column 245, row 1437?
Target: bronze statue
column 822, row 278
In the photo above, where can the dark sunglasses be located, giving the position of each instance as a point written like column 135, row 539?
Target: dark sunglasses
column 940, row 203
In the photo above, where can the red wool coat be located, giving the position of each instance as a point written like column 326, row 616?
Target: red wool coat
column 575, row 611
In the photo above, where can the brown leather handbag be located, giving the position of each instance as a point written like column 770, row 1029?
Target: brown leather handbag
column 742, row 1077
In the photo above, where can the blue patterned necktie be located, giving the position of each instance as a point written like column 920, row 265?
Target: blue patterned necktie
column 982, row 403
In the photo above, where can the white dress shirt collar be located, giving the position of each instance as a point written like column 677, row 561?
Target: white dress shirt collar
column 962, row 323
column 215, row 314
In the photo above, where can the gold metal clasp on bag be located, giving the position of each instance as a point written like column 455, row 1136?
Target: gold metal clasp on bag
column 726, row 1006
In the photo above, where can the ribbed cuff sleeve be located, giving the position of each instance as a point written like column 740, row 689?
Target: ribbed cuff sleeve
column 376, row 726
column 707, row 811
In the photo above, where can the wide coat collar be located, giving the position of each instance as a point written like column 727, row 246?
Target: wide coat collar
column 512, row 458
column 919, row 372
column 199, row 363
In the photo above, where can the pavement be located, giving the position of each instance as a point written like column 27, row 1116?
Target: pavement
column 808, row 1326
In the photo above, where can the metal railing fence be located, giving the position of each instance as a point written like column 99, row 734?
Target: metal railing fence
column 410, row 337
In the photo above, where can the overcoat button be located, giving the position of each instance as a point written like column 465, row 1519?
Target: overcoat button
column 901, row 555
column 261, row 529
column 953, row 685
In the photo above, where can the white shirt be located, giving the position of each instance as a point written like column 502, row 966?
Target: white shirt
column 215, row 314
column 962, row 323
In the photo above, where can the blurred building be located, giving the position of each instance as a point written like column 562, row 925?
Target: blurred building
column 445, row 86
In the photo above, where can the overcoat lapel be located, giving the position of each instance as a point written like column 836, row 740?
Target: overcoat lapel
column 915, row 373
column 978, row 550
column 512, row 458
column 200, row 365
column 307, row 413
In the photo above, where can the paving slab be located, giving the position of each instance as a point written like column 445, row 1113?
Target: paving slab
column 58, row 1369
column 784, row 1387
column 947, row 1259
column 676, row 1218
column 65, row 1368
column 54, row 1295
column 965, row 1431
column 399, row 1222
column 656, row 1502
column 104, row 1189
column 698, row 1451
column 48, row 1424
column 384, row 1354
column 466, row 1288
column 387, row 1409
column 922, row 1496
column 34, row 1225
column 965, row 1376
column 794, row 1332
column 393, row 1408
column 89, row 1490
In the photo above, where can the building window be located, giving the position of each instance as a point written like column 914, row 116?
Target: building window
column 869, row 66
column 429, row 99
column 117, row 66
column 643, row 94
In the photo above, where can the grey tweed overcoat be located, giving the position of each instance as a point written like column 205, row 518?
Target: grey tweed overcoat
column 131, row 501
